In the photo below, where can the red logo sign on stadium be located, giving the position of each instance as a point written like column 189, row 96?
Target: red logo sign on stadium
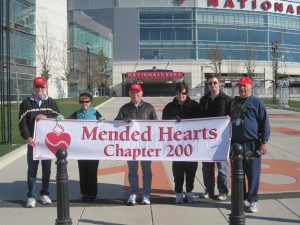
column 180, row 1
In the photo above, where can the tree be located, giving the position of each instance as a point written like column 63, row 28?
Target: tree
column 100, row 70
column 45, row 48
column 275, row 64
column 65, row 65
column 233, row 73
column 215, row 57
column 250, row 61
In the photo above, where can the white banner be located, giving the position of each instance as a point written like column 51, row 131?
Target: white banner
column 156, row 140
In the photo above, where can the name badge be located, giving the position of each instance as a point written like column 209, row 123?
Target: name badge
column 238, row 121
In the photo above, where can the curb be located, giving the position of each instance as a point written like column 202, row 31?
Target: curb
column 282, row 107
column 102, row 104
column 13, row 156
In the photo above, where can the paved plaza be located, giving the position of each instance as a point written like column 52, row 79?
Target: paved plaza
column 279, row 189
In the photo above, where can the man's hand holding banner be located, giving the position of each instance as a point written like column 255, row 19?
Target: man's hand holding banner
column 156, row 140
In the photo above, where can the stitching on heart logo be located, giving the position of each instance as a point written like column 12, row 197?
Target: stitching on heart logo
column 57, row 139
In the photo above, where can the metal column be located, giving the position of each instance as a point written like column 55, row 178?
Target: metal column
column 5, row 92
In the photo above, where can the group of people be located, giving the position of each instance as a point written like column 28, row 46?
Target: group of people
column 250, row 128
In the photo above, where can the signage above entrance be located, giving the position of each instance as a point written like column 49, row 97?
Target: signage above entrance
column 154, row 75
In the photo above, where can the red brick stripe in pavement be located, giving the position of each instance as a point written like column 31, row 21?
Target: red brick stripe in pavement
column 161, row 185
column 283, row 116
column 286, row 130
column 160, row 182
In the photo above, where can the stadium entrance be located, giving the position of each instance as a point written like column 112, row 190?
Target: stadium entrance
column 154, row 82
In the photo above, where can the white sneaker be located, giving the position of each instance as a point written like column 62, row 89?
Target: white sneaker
column 132, row 199
column 222, row 196
column 207, row 195
column 30, row 203
column 179, row 198
column 190, row 198
column 146, row 200
column 253, row 207
column 45, row 200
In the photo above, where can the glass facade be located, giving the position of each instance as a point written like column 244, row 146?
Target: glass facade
column 83, row 35
column 22, row 47
column 85, row 45
column 22, row 17
column 190, row 33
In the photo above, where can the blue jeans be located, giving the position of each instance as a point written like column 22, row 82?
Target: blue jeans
column 252, row 170
column 208, row 170
column 32, row 172
column 134, row 177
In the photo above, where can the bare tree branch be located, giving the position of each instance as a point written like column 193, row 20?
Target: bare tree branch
column 45, row 48
column 250, row 61
column 215, row 57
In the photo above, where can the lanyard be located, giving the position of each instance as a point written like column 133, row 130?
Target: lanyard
column 244, row 105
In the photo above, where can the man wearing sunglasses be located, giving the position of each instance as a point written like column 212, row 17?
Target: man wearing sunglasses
column 215, row 103
column 34, row 108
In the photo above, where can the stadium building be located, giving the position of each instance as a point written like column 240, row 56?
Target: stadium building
column 159, row 42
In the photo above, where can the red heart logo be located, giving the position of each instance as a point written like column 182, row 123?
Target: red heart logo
column 55, row 141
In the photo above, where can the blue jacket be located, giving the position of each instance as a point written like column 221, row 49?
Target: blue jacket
column 249, row 120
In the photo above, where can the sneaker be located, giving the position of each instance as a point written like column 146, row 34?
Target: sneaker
column 207, row 195
column 222, row 197
column 30, row 203
column 253, row 207
column 189, row 197
column 146, row 200
column 132, row 199
column 45, row 200
column 179, row 198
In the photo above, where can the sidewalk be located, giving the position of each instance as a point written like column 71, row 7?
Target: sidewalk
column 279, row 192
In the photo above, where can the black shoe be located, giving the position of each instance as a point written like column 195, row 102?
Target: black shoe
column 92, row 197
column 84, row 197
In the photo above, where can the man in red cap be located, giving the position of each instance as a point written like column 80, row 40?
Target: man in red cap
column 251, row 129
column 139, row 110
column 34, row 108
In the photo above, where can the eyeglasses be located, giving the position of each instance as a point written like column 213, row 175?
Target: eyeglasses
column 39, row 86
column 181, row 93
column 210, row 83
column 84, row 101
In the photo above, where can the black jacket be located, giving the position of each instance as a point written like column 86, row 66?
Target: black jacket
column 188, row 110
column 219, row 107
column 29, row 109
column 144, row 111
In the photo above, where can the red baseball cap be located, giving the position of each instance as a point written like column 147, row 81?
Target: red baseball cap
column 244, row 80
column 135, row 87
column 39, row 81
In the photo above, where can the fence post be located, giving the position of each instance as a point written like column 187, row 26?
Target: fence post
column 63, row 210
column 237, row 216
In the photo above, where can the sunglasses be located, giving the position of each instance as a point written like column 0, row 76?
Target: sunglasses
column 84, row 101
column 39, row 86
column 181, row 93
column 210, row 83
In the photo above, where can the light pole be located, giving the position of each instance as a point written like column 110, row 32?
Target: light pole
column 274, row 46
column 220, row 69
column 88, row 66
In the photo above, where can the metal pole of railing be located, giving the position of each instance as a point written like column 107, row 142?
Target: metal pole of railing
column 237, row 216
column 63, row 210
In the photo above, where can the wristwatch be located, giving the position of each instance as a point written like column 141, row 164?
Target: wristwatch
column 264, row 141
